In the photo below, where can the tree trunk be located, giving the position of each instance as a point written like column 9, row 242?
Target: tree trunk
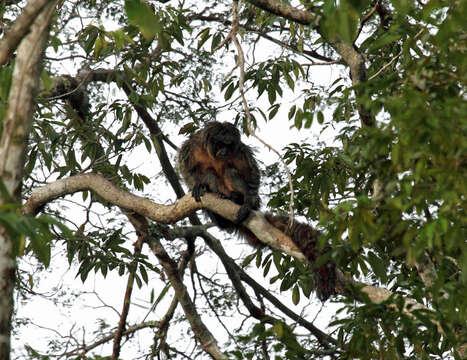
column 16, row 128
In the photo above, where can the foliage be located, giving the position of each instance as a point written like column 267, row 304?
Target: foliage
column 390, row 198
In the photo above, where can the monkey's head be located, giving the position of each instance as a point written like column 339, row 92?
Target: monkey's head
column 221, row 139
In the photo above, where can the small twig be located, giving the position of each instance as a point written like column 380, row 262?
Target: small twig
column 241, row 65
column 127, row 298
column 393, row 59
column 386, row 65
column 365, row 19
column 316, row 63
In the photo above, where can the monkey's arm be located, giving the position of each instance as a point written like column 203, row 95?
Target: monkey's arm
column 186, row 162
column 192, row 161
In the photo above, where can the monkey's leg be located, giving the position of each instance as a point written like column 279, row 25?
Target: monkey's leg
column 206, row 182
column 241, row 195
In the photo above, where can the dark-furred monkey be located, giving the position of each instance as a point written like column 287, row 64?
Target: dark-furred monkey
column 214, row 159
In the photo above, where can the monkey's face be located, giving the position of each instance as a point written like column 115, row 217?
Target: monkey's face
column 223, row 140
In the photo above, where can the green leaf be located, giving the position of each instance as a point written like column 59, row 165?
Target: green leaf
column 165, row 40
column 320, row 117
column 274, row 111
column 204, row 35
column 292, row 111
column 229, row 92
column 89, row 37
column 402, row 6
column 279, row 329
column 141, row 15
column 144, row 273
column 272, row 94
column 308, row 115
column 298, row 121
column 306, row 286
column 289, row 80
column 248, row 260
column 266, row 268
column 296, row 295
column 383, row 40
column 378, row 265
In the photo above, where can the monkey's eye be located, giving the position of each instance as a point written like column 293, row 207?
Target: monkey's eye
column 221, row 150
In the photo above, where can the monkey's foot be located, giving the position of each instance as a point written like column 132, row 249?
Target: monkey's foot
column 199, row 190
column 243, row 213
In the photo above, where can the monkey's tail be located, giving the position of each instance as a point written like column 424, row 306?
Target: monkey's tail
column 306, row 238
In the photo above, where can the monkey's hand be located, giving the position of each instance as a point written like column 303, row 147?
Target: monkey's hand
column 199, row 190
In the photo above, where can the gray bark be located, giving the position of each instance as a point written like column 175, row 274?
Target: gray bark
column 16, row 128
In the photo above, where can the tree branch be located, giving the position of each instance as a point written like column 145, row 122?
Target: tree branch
column 136, row 220
column 288, row 12
column 349, row 54
column 80, row 351
column 262, row 229
column 241, row 65
column 20, row 28
column 202, row 333
column 16, row 126
column 266, row 36
column 236, row 275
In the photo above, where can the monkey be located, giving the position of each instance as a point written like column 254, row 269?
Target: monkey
column 214, row 159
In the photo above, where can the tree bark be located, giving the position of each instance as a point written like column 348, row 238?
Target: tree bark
column 16, row 128
column 20, row 28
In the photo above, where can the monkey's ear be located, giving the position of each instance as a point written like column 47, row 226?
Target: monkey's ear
column 189, row 128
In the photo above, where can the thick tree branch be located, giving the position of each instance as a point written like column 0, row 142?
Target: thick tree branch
column 202, row 333
column 170, row 213
column 286, row 11
column 20, row 28
column 160, row 213
column 109, row 192
column 16, row 126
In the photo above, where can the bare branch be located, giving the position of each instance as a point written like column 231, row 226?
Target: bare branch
column 130, row 330
column 205, row 337
column 237, row 274
column 129, row 289
column 365, row 20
